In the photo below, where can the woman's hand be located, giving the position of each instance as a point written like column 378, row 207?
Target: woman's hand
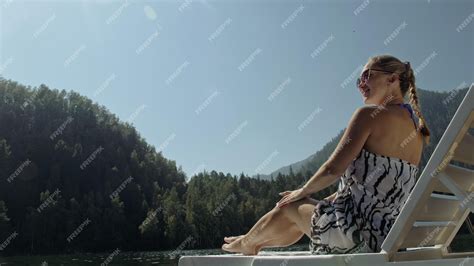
column 331, row 197
column 291, row 196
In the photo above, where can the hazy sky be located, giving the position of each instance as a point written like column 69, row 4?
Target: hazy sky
column 232, row 86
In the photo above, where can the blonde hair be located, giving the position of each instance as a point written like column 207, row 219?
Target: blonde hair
column 407, row 85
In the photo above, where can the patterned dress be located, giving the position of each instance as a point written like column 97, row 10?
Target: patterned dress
column 370, row 195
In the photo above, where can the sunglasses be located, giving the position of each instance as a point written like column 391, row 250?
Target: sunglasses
column 366, row 75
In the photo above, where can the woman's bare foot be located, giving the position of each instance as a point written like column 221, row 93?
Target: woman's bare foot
column 238, row 247
column 231, row 239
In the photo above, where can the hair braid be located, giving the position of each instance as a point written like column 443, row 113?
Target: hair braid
column 423, row 128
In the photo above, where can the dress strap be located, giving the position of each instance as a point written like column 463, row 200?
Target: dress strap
column 412, row 114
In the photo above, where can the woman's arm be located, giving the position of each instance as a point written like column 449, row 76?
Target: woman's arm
column 349, row 146
column 322, row 179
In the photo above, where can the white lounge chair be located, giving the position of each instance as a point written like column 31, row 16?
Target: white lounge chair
column 438, row 205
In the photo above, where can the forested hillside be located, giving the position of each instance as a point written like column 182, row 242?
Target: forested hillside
column 75, row 178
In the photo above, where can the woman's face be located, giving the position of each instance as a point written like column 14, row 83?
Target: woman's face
column 375, row 85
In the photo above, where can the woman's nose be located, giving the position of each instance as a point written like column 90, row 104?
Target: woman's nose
column 362, row 85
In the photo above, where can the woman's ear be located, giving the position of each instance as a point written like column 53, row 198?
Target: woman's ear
column 392, row 78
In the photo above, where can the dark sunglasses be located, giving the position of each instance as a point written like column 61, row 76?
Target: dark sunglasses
column 366, row 75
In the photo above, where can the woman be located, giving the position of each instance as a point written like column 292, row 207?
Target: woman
column 376, row 162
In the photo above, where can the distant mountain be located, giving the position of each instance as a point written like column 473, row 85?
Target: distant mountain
column 438, row 109
column 302, row 166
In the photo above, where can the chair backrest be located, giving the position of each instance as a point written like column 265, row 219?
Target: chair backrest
column 444, row 194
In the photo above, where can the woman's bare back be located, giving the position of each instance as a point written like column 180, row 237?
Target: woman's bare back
column 393, row 134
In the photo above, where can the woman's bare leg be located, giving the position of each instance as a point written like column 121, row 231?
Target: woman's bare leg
column 268, row 228
column 292, row 235
column 279, row 227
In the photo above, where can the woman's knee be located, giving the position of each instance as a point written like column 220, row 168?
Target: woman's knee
column 300, row 213
column 296, row 209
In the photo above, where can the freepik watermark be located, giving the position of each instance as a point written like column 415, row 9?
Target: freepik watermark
column 219, row 30
column 352, row 76
column 29, row 100
column 382, row 106
column 206, row 103
column 467, row 199
column 223, row 204
column 284, row 262
column 104, row 85
column 454, row 92
column 464, row 261
column 429, row 237
column 110, row 257
column 446, row 160
column 117, row 12
column 50, row 200
column 4, row 66
column 167, row 142
column 177, row 72
column 410, row 137
column 279, row 89
column 310, row 118
column 267, row 161
column 196, row 171
column 148, row 41
column 236, row 132
column 74, row 56
column 18, row 171
column 44, row 26
column 359, row 249
column 343, row 144
column 322, row 46
column 251, row 235
column 7, row 241
column 395, row 33
column 186, row 4
column 174, row 253
column 120, row 188
column 361, row 7
column 373, row 174
column 150, row 217
column 78, row 230
column 249, row 59
column 292, row 17
column 91, row 158
column 61, row 128
column 465, row 23
column 135, row 114
column 425, row 62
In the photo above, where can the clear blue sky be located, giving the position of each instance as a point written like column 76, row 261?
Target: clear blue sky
column 195, row 77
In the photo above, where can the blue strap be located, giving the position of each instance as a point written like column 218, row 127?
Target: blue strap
column 408, row 107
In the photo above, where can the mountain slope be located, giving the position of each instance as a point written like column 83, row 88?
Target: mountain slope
column 74, row 178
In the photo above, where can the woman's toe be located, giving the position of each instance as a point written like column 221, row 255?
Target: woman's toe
column 230, row 239
column 225, row 247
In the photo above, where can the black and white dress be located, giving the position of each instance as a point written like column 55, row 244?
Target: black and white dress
column 370, row 195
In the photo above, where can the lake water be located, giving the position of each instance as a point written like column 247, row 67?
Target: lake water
column 120, row 258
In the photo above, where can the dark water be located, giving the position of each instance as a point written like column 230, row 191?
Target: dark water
column 121, row 258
